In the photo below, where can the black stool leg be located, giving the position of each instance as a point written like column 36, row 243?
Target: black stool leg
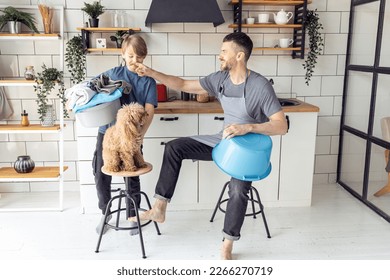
column 105, row 222
column 262, row 212
column 118, row 214
column 219, row 201
column 130, row 196
column 253, row 203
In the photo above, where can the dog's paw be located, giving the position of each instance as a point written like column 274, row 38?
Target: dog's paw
column 131, row 168
column 112, row 168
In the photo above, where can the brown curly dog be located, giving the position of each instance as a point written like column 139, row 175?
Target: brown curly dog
column 122, row 142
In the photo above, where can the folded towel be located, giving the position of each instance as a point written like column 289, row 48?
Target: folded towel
column 78, row 95
column 99, row 98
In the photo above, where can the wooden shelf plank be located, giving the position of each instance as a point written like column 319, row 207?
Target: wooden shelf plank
column 37, row 128
column 104, row 50
column 266, row 25
column 16, row 82
column 29, row 36
column 270, row 2
column 39, row 173
column 108, row 29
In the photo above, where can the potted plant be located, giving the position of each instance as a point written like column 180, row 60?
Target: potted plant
column 45, row 83
column 15, row 18
column 75, row 59
column 93, row 10
column 118, row 37
column 316, row 43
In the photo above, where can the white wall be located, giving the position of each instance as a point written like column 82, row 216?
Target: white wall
column 191, row 50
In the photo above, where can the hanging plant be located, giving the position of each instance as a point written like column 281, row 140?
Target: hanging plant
column 316, row 43
column 45, row 83
column 75, row 59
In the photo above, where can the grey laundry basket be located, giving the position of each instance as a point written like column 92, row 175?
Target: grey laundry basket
column 99, row 115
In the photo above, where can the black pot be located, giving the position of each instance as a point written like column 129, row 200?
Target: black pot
column 93, row 22
column 24, row 164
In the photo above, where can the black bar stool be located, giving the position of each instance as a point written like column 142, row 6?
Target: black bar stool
column 253, row 200
column 122, row 194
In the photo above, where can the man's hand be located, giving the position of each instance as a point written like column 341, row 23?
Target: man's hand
column 234, row 130
column 142, row 70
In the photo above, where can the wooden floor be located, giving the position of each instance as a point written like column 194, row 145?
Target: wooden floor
column 335, row 227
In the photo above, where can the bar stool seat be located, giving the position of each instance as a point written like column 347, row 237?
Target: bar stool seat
column 252, row 199
column 130, row 196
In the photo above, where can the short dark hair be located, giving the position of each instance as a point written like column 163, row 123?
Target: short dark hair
column 242, row 40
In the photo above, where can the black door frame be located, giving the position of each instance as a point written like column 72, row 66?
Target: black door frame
column 368, row 137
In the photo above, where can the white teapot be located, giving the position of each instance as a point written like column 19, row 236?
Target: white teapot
column 282, row 17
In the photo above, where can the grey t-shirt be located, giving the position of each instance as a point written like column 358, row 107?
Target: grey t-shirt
column 260, row 98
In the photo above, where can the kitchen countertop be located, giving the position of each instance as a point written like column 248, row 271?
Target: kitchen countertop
column 194, row 107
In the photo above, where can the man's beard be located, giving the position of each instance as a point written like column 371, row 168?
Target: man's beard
column 225, row 66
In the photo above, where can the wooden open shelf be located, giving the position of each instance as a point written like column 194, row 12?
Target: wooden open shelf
column 85, row 33
column 104, row 50
column 29, row 36
column 270, row 2
column 30, row 128
column 39, row 173
column 108, row 29
column 16, row 82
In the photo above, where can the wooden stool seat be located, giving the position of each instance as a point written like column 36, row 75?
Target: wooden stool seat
column 130, row 197
column 126, row 174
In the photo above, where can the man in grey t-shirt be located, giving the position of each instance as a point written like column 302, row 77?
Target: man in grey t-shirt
column 250, row 106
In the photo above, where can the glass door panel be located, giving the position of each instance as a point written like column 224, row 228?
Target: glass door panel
column 385, row 47
column 381, row 127
column 357, row 107
column 364, row 33
column 353, row 160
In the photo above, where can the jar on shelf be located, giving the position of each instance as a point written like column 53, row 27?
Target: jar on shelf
column 24, row 121
column 24, row 164
column 29, row 73
column 49, row 116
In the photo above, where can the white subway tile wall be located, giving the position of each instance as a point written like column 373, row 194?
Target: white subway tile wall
column 187, row 50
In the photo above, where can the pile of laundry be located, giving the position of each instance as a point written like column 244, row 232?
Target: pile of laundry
column 97, row 91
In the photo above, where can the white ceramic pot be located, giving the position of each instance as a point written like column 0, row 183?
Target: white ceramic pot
column 14, row 27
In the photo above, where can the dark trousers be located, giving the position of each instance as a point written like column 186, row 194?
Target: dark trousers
column 103, row 181
column 187, row 148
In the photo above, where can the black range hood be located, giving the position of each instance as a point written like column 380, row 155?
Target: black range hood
column 164, row 11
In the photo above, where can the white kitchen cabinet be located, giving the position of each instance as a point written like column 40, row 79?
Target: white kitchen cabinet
column 164, row 128
column 186, row 192
column 177, row 125
column 297, row 160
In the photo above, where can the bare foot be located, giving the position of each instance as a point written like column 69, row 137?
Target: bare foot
column 227, row 248
column 156, row 214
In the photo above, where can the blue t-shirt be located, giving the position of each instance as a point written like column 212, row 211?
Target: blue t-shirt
column 144, row 89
